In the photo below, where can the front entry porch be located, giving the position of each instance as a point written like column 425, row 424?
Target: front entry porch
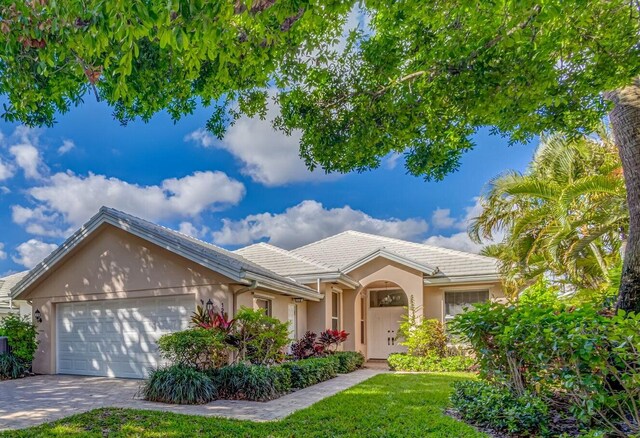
column 384, row 304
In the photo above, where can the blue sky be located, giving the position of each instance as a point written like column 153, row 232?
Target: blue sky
column 249, row 187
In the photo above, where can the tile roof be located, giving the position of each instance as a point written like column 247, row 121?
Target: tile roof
column 6, row 283
column 209, row 255
column 282, row 261
column 344, row 249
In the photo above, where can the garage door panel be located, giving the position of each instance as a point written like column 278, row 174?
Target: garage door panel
column 117, row 338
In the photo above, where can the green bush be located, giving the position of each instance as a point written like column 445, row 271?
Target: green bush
column 260, row 339
column 252, row 382
column 197, row 348
column 348, row 361
column 404, row 362
column 591, row 356
column 11, row 367
column 422, row 337
column 497, row 407
column 179, row 384
column 308, row 372
column 22, row 337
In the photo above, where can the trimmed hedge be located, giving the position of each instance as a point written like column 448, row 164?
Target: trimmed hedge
column 251, row 382
column 349, row 361
column 308, row 372
column 404, row 362
column 179, row 384
column 484, row 404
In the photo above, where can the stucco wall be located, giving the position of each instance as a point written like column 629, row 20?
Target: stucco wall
column 111, row 265
column 434, row 296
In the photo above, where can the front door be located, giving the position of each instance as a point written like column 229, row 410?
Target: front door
column 383, row 331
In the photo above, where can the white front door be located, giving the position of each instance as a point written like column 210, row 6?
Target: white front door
column 117, row 338
column 383, row 331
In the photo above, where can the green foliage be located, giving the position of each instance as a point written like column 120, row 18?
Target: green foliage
column 260, row 339
column 422, row 337
column 197, row 348
column 178, row 384
column 591, row 356
column 564, row 216
column 308, row 372
column 348, row 361
column 417, row 81
column 252, row 382
column 21, row 334
column 489, row 405
column 404, row 362
column 11, row 367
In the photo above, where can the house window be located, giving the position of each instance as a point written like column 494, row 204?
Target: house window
column 363, row 312
column 457, row 302
column 266, row 304
column 388, row 298
column 335, row 310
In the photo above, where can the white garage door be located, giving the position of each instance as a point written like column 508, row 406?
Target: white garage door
column 117, row 338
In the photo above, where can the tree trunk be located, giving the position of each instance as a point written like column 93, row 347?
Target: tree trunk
column 625, row 123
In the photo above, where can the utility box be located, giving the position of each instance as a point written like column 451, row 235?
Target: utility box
column 4, row 344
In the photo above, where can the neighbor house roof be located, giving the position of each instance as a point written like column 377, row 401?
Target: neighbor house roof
column 6, row 283
column 213, row 257
column 347, row 249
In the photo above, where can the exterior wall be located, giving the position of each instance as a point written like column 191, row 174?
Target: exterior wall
column 280, row 306
column 380, row 269
column 434, row 296
column 112, row 265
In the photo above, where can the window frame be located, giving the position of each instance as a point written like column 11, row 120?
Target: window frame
column 448, row 316
column 268, row 309
column 336, row 303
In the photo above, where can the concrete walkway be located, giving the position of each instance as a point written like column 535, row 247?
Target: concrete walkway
column 41, row 399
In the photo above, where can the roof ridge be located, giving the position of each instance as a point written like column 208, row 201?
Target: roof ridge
column 423, row 245
column 291, row 254
column 322, row 240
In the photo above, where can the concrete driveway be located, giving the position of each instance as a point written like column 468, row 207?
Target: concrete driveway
column 41, row 399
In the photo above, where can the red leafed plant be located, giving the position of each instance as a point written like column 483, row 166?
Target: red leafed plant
column 212, row 319
column 331, row 339
column 310, row 345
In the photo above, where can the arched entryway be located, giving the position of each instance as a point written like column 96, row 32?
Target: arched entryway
column 385, row 303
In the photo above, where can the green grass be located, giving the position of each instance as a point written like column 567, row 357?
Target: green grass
column 388, row 405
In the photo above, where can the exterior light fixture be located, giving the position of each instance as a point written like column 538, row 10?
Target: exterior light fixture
column 298, row 300
column 38, row 316
column 209, row 305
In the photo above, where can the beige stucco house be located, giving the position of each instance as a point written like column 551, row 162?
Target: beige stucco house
column 7, row 303
column 102, row 299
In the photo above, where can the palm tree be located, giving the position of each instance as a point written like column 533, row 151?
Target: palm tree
column 564, row 218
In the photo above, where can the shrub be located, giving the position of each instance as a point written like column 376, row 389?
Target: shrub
column 178, row 384
column 308, row 372
column 497, row 407
column 252, row 382
column 11, row 367
column 348, row 361
column 405, row 362
column 590, row 356
column 330, row 339
column 422, row 337
column 197, row 348
column 312, row 345
column 212, row 319
column 22, row 337
column 260, row 339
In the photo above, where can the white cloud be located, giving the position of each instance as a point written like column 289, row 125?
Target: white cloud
column 6, row 170
column 190, row 229
column 67, row 145
column 67, row 199
column 391, row 160
column 32, row 252
column 268, row 156
column 3, row 254
column 442, row 219
column 310, row 221
column 25, row 152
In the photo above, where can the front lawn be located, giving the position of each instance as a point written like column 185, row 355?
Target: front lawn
column 389, row 405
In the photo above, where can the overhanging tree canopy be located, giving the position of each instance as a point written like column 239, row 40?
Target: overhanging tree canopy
column 421, row 79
